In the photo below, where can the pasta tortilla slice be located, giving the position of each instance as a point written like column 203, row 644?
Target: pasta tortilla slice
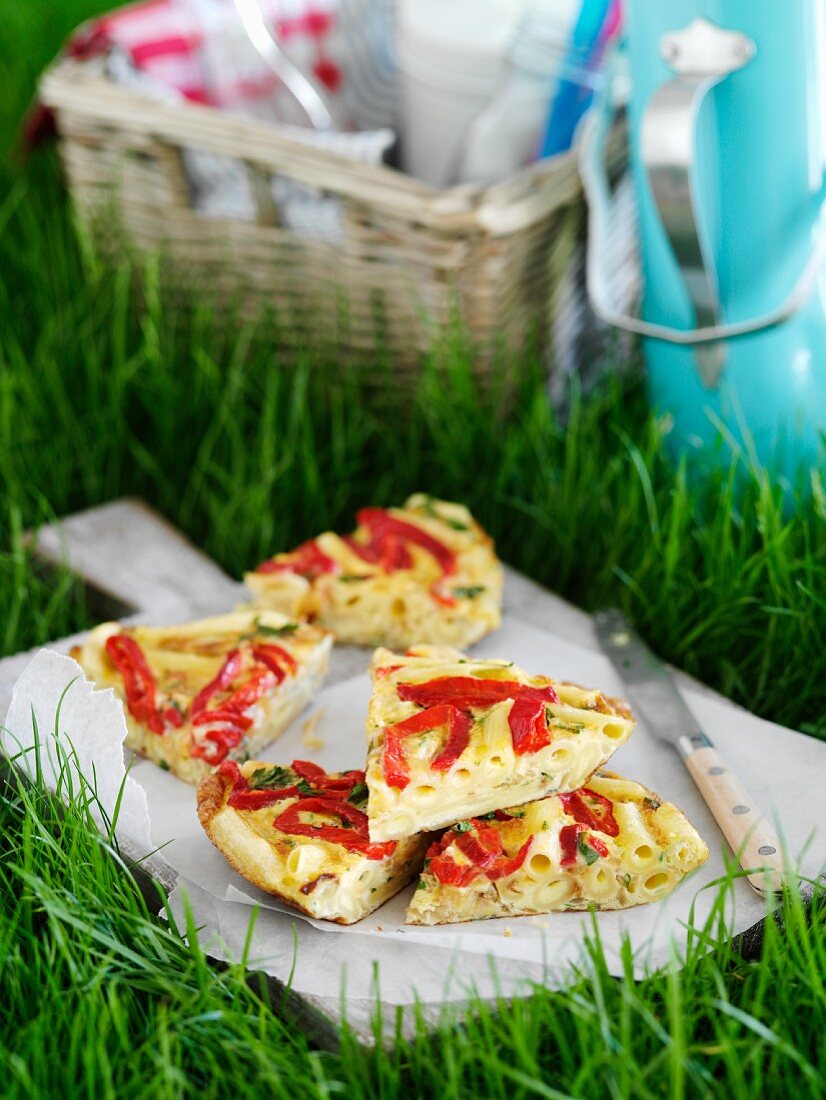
column 452, row 737
column 426, row 572
column 199, row 692
column 301, row 834
column 611, row 845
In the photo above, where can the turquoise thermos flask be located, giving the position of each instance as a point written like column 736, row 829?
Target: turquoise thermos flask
column 727, row 133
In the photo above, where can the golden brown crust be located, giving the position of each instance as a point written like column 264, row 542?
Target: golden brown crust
column 211, row 792
column 211, row 798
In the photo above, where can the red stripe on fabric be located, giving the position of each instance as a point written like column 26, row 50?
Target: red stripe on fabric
column 163, row 47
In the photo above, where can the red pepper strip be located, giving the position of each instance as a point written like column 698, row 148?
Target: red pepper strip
column 591, row 809
column 226, row 674
column 320, row 781
column 458, row 738
column 458, row 725
column 354, row 839
column 504, row 866
column 138, row 683
column 529, row 729
column 385, row 670
column 450, row 873
column 568, row 837
column 386, row 550
column 277, row 660
column 307, row 559
column 232, row 709
column 256, row 799
column 174, row 717
column 379, row 523
column 483, row 847
column 230, row 770
column 597, row 844
column 223, row 714
column 366, row 551
column 469, row 691
column 217, row 743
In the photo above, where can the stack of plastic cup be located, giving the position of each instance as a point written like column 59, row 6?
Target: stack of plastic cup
column 450, row 56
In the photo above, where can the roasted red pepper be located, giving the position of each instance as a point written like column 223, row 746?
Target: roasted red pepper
column 230, row 770
column 528, row 726
column 569, row 843
column 217, row 743
column 320, row 781
column 591, row 809
column 483, row 847
column 356, row 838
column 458, row 727
column 260, row 797
column 226, row 674
column 308, row 559
column 385, row 550
column 469, row 691
column 232, row 708
column 139, row 684
column 388, row 539
column 277, row 659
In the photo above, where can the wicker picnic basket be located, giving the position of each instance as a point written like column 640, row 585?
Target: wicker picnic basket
column 411, row 258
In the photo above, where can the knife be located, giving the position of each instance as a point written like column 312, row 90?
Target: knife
column 654, row 695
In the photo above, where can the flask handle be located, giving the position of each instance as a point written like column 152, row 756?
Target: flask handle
column 701, row 55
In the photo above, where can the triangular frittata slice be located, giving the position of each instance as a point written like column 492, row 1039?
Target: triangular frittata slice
column 199, row 692
column 611, row 845
column 452, row 737
column 301, row 834
column 426, row 572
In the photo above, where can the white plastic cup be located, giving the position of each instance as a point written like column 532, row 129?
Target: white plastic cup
column 450, row 57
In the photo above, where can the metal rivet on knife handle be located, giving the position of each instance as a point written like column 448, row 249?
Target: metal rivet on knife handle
column 752, row 838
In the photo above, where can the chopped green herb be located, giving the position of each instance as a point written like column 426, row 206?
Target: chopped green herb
column 429, row 510
column 488, row 817
column 354, row 577
column 469, row 592
column 358, row 794
column 590, row 854
column 275, row 631
column 422, row 885
column 163, row 764
column 627, row 880
column 462, row 827
column 276, row 776
column 571, row 727
column 652, row 803
column 545, row 825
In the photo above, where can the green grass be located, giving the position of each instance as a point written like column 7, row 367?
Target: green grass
column 103, row 392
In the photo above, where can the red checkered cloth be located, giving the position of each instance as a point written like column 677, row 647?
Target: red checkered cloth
column 171, row 41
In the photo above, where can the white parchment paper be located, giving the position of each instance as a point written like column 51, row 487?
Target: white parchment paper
column 783, row 770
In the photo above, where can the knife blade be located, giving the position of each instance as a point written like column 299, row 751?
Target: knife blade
column 654, row 696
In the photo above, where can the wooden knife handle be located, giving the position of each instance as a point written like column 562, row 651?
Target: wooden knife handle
column 752, row 839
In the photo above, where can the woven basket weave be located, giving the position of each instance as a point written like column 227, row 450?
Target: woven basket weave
column 411, row 259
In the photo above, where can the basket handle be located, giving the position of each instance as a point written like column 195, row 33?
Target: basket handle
column 598, row 197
